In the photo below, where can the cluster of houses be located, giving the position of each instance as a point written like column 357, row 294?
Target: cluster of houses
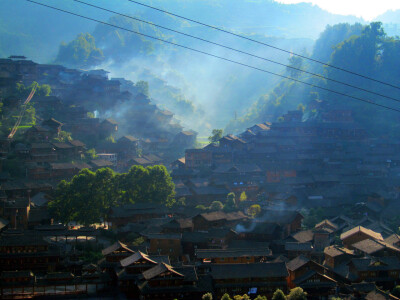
column 67, row 138
column 75, row 93
column 327, row 162
column 185, row 253
column 287, row 167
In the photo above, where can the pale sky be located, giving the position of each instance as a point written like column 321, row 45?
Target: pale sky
column 368, row 9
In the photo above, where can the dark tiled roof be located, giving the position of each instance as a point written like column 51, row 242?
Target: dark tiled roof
column 297, row 263
column 62, row 145
column 82, row 165
column 248, row 244
column 220, row 215
column 140, row 161
column 111, row 121
column 326, row 223
column 298, row 246
column 214, row 253
column 136, row 257
column 77, row 143
column 41, row 146
column 101, row 163
column 165, row 236
column 128, row 138
column 62, row 166
column 39, row 199
column 379, row 295
column 280, row 216
column 304, row 236
column 334, row 251
column 158, row 270
column 210, row 190
column 114, row 247
column 370, row 246
column 258, row 270
column 329, row 282
column 360, row 229
column 393, row 239
column 371, row 264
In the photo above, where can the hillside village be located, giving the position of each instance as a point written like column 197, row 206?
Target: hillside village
column 65, row 126
column 292, row 203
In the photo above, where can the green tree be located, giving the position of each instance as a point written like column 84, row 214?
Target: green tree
column 259, row 297
column 243, row 196
column 297, row 294
column 216, row 135
column 254, row 210
column 43, row 90
column 216, row 205
column 359, row 53
column 162, row 188
column 64, row 136
column 151, row 184
column 105, row 184
column 88, row 197
column 241, row 297
column 278, row 295
column 62, row 206
column 91, row 153
column 226, row 297
column 80, row 52
column 230, row 203
column 202, row 207
column 207, row 296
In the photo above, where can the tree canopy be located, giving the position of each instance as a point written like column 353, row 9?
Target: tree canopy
column 278, row 295
column 89, row 195
column 80, row 52
column 216, row 135
column 297, row 294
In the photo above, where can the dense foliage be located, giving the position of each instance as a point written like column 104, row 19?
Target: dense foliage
column 80, row 52
column 88, row 197
column 366, row 50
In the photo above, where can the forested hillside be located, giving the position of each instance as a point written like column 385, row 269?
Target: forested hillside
column 365, row 50
column 204, row 92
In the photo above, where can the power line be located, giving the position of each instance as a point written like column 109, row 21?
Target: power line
column 216, row 56
column 240, row 51
column 265, row 44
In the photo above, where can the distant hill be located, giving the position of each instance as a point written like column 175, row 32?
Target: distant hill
column 391, row 22
column 29, row 29
column 390, row 16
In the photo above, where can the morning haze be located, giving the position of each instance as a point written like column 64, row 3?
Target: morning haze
column 191, row 149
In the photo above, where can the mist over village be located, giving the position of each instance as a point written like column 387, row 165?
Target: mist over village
column 199, row 149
